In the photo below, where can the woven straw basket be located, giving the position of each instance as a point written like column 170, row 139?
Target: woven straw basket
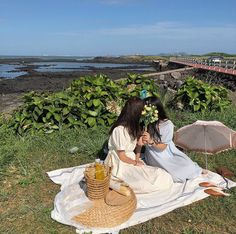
column 96, row 189
column 106, row 216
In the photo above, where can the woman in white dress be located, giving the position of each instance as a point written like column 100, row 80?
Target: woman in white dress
column 125, row 145
column 161, row 150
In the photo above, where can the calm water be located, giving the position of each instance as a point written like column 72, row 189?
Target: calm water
column 9, row 71
column 68, row 66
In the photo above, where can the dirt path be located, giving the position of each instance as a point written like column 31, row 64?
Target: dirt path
column 9, row 102
column 169, row 71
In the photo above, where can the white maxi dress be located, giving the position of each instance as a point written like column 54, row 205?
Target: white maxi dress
column 142, row 179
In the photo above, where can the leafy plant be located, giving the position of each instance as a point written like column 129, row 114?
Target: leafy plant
column 195, row 95
column 47, row 112
column 96, row 92
column 135, row 83
column 90, row 101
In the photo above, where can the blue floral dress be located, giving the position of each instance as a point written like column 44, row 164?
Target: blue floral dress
column 174, row 161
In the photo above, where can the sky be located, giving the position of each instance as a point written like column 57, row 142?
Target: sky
column 116, row 27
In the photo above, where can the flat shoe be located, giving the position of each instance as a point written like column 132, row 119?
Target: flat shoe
column 207, row 184
column 216, row 192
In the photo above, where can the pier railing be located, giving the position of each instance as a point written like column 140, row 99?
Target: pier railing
column 223, row 65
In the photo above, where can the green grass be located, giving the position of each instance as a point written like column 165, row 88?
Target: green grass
column 27, row 194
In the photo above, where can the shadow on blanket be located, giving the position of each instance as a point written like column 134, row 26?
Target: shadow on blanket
column 71, row 200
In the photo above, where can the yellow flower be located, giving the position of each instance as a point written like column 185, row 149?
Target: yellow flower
column 148, row 108
column 149, row 115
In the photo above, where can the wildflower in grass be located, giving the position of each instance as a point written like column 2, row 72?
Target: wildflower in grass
column 180, row 105
column 113, row 107
column 131, row 87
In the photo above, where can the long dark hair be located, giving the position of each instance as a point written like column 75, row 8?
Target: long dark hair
column 162, row 116
column 130, row 117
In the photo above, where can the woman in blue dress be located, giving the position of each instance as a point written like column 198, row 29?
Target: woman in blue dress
column 161, row 150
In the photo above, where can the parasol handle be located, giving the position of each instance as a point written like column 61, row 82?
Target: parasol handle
column 204, row 127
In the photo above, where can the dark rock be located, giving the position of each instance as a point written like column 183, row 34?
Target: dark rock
column 178, row 84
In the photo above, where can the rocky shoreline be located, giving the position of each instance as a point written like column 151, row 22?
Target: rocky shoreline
column 11, row 90
column 54, row 81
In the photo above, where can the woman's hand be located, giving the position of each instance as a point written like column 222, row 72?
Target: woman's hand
column 139, row 163
column 146, row 138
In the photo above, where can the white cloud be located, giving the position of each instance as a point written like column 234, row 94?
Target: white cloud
column 154, row 38
column 170, row 30
column 166, row 30
column 116, row 2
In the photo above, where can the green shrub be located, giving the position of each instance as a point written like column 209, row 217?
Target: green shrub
column 90, row 101
column 101, row 99
column 46, row 112
column 135, row 83
column 195, row 95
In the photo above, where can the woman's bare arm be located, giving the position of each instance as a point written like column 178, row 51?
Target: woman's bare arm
column 124, row 158
column 138, row 148
column 159, row 146
column 138, row 152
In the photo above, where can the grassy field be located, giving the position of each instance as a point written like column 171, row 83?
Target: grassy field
column 27, row 194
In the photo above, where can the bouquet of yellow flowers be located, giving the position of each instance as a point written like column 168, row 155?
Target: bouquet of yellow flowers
column 149, row 115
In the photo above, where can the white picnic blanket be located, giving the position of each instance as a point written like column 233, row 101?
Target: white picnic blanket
column 71, row 200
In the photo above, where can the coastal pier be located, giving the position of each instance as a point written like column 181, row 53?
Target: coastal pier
column 222, row 66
